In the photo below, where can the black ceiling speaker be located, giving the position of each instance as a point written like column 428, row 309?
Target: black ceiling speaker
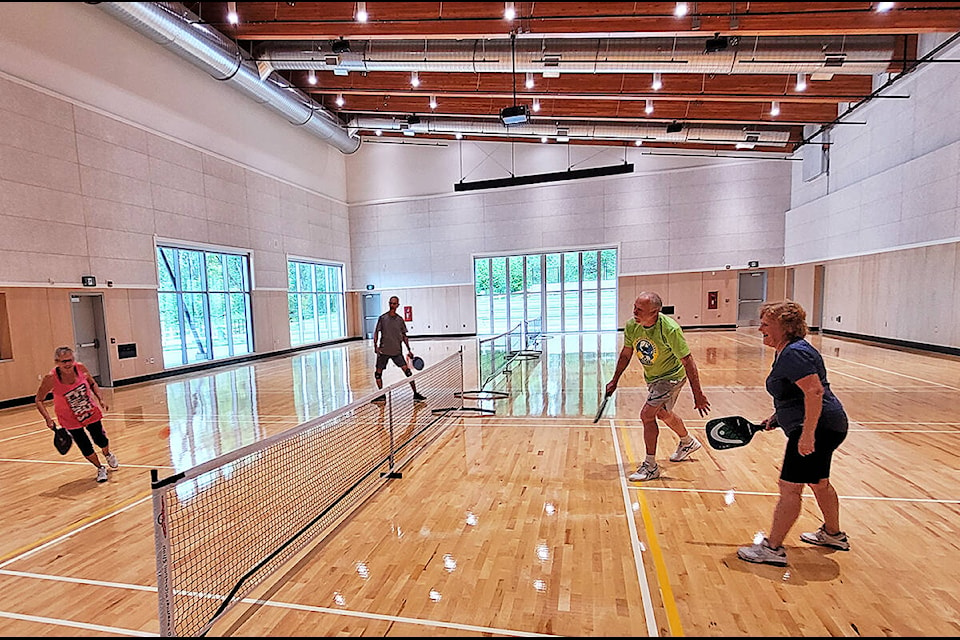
column 675, row 127
column 340, row 46
column 716, row 43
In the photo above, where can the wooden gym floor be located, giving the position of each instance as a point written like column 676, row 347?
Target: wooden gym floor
column 522, row 523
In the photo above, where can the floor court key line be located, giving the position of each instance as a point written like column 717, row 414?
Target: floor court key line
column 659, row 563
column 652, row 628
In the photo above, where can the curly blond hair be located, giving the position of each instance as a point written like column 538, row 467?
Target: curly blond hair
column 789, row 314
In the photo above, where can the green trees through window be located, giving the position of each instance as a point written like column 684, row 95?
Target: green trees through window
column 204, row 299
column 315, row 302
column 568, row 291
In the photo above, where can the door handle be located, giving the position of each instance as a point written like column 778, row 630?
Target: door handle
column 95, row 344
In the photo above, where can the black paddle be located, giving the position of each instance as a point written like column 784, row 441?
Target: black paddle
column 62, row 440
column 731, row 432
column 603, row 405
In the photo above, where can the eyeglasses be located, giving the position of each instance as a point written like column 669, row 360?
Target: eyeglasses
column 67, row 361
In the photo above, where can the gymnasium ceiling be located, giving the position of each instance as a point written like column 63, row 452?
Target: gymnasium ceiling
column 723, row 66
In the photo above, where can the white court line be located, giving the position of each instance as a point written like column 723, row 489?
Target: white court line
column 266, row 603
column 775, row 494
column 73, row 532
column 652, row 630
column 85, row 463
column 100, row 629
column 887, row 371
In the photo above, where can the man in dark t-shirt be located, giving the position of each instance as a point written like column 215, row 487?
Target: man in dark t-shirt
column 389, row 336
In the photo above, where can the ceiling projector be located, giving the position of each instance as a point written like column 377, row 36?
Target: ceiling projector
column 517, row 114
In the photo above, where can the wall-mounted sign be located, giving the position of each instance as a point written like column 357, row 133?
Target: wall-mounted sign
column 88, row 281
column 753, row 264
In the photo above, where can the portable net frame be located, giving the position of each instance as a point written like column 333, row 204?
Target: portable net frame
column 497, row 354
column 224, row 526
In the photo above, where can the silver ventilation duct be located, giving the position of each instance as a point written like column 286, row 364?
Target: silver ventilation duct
column 828, row 55
column 692, row 133
column 171, row 25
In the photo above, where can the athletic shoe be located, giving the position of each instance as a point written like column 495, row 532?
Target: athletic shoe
column 112, row 461
column 824, row 539
column 763, row 554
column 419, row 397
column 645, row 472
column 684, row 450
column 379, row 399
column 102, row 474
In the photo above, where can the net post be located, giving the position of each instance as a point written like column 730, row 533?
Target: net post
column 162, row 545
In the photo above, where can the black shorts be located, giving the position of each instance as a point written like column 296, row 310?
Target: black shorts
column 382, row 361
column 815, row 467
column 83, row 442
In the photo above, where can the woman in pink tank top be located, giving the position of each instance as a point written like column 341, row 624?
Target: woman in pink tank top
column 74, row 390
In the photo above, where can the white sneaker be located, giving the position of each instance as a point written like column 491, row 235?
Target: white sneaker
column 763, row 554
column 102, row 474
column 645, row 472
column 112, row 461
column 684, row 450
column 824, row 539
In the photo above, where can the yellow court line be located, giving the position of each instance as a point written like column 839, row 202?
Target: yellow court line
column 666, row 592
column 73, row 528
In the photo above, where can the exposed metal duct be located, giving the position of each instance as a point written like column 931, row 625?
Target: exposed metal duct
column 171, row 25
column 860, row 55
column 693, row 133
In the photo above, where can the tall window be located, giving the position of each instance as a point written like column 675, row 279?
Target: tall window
column 315, row 302
column 568, row 291
column 204, row 305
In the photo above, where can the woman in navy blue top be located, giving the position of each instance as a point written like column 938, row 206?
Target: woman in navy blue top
column 815, row 424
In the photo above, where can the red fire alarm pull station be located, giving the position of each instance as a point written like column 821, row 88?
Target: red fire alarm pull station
column 408, row 314
column 712, row 299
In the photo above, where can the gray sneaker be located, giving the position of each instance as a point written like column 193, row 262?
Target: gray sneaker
column 112, row 461
column 684, row 450
column 645, row 472
column 763, row 554
column 102, row 474
column 821, row 537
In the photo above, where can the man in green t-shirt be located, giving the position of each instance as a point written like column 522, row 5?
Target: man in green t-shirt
column 667, row 363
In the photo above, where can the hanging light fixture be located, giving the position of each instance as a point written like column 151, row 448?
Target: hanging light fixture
column 774, row 108
column 657, row 83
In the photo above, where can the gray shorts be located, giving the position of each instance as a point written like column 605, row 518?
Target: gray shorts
column 664, row 393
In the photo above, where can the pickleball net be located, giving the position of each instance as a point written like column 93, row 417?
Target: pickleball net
column 224, row 526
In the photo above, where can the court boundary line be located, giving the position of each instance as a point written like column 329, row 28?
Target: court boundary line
column 268, row 603
column 937, row 501
column 875, row 368
column 652, row 628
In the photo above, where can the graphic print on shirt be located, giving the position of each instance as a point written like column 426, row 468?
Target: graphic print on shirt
column 79, row 402
column 646, row 351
